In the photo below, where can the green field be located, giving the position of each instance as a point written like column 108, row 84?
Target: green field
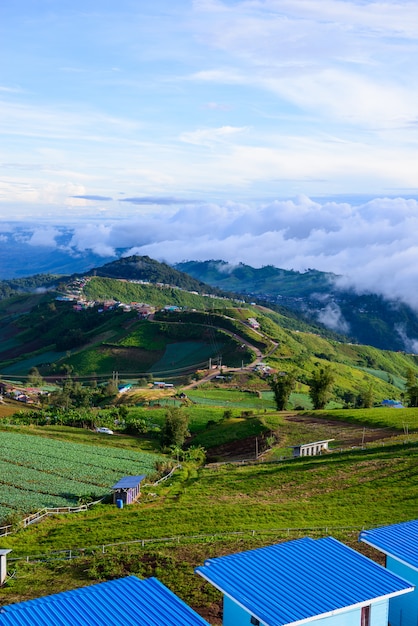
column 338, row 494
column 357, row 488
column 402, row 419
column 232, row 398
column 37, row 472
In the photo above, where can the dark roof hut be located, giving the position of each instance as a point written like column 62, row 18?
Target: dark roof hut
column 127, row 490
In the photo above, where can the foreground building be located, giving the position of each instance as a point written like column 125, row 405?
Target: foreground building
column 123, row 602
column 305, row 581
column 399, row 542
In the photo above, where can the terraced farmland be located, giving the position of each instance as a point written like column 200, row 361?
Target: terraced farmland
column 37, row 472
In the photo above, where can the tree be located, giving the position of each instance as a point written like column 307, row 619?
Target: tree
column 411, row 387
column 175, row 428
column 34, row 377
column 320, row 386
column 282, row 384
column 367, row 397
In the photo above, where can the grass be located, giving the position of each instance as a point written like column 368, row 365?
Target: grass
column 199, row 416
column 342, row 490
column 382, row 417
column 232, row 398
column 229, row 430
column 351, row 490
column 83, row 436
column 356, row 488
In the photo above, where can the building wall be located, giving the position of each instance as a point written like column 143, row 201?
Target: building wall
column 234, row 615
column 403, row 610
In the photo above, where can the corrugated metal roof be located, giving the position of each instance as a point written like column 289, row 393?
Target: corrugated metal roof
column 293, row 582
column 129, row 482
column 398, row 540
column 125, row 602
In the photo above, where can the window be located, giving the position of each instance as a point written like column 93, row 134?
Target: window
column 365, row 616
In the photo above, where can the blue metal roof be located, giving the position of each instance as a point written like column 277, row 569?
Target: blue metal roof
column 297, row 581
column 129, row 482
column 125, row 602
column 399, row 541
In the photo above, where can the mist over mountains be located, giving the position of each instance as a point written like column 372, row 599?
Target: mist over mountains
column 369, row 244
column 317, row 296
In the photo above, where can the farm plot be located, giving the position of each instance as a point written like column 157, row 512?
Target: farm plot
column 37, row 472
column 231, row 398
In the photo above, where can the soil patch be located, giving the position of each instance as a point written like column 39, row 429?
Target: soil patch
column 303, row 429
column 346, row 433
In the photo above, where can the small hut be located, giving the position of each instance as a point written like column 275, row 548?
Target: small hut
column 127, row 490
column 311, row 449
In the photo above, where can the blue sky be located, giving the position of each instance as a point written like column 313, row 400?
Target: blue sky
column 205, row 100
column 263, row 131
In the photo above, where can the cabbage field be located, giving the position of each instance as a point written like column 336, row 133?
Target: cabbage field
column 36, row 472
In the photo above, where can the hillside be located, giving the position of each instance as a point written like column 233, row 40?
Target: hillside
column 96, row 325
column 146, row 269
column 366, row 319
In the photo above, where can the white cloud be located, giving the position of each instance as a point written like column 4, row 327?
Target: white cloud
column 332, row 317
column 44, row 237
column 371, row 245
column 210, row 136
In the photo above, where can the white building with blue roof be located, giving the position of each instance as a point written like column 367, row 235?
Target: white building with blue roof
column 399, row 542
column 123, row 602
column 305, row 581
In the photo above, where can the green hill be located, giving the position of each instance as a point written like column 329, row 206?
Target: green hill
column 365, row 318
column 184, row 331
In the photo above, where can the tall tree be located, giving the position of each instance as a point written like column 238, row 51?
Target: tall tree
column 411, row 387
column 282, row 384
column 175, row 428
column 320, row 386
column 34, row 378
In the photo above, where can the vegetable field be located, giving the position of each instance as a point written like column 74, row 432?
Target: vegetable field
column 37, row 472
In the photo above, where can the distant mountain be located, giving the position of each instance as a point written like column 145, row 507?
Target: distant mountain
column 144, row 318
column 366, row 319
column 313, row 296
column 147, row 269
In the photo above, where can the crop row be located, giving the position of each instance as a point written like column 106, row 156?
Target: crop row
column 12, row 444
column 35, row 480
column 71, row 465
column 37, row 472
column 30, row 501
column 64, row 468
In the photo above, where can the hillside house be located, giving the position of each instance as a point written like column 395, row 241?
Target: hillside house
column 159, row 384
column 399, row 542
column 123, row 602
column 305, row 581
column 253, row 323
column 128, row 489
column 310, row 449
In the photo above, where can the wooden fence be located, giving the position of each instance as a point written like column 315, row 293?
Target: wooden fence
column 45, row 512
column 6, row 530
column 89, row 551
column 36, row 517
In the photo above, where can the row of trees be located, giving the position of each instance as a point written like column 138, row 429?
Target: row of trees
column 320, row 387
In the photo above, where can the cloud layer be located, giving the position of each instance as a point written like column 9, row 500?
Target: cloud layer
column 372, row 245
